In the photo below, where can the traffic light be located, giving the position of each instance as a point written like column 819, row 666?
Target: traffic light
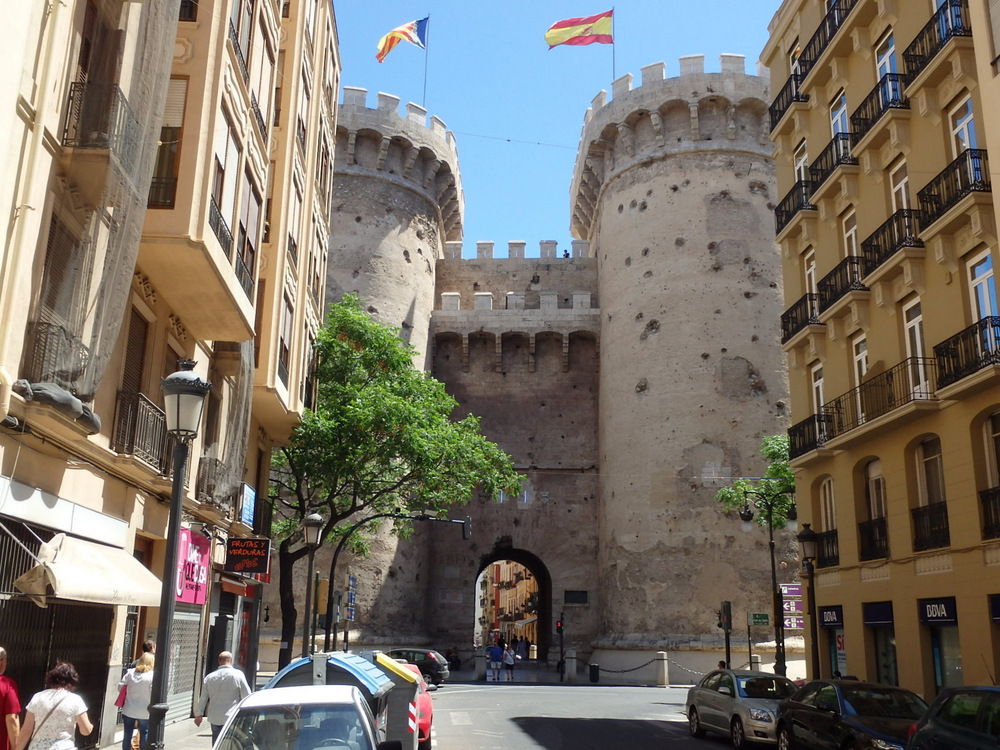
column 467, row 528
column 559, row 626
column 726, row 617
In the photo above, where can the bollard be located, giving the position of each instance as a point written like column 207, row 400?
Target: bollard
column 571, row 666
column 480, row 666
column 661, row 669
column 533, row 652
column 595, row 672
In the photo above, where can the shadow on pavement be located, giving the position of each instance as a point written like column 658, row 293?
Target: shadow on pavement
column 560, row 733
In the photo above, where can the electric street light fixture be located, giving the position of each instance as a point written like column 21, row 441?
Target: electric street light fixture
column 808, row 541
column 184, row 395
column 312, row 524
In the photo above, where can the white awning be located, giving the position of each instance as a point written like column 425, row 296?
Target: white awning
column 526, row 621
column 71, row 568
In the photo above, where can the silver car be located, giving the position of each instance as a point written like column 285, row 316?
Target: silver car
column 737, row 702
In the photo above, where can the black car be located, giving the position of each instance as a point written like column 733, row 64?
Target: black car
column 961, row 718
column 433, row 666
column 839, row 714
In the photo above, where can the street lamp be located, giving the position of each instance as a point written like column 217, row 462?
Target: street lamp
column 312, row 525
column 184, row 395
column 767, row 503
column 808, row 541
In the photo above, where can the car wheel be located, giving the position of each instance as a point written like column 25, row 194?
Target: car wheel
column 736, row 733
column 424, row 745
column 784, row 739
column 694, row 725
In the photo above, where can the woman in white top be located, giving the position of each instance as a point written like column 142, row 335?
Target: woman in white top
column 55, row 712
column 138, row 682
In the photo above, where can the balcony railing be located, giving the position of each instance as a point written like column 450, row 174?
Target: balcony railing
column 969, row 173
column 100, row 118
column 803, row 313
column 836, row 154
column 209, row 472
column 162, row 192
column 887, row 94
column 788, row 95
column 257, row 116
column 968, row 351
column 873, row 536
column 827, row 549
column 846, row 277
column 930, row 527
column 913, row 379
column 807, row 435
column 796, row 200
column 220, row 227
column 950, row 20
column 234, row 37
column 57, row 356
column 828, row 28
column 990, row 500
column 244, row 275
column 902, row 229
column 141, row 430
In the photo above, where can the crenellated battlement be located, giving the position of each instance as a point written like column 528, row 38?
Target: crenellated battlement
column 691, row 113
column 548, row 249
column 405, row 149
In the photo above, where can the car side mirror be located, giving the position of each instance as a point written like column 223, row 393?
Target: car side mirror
column 390, row 745
column 726, row 690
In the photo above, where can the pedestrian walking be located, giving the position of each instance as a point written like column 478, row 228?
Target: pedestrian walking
column 138, row 685
column 496, row 659
column 10, row 707
column 148, row 647
column 509, row 657
column 221, row 691
column 54, row 713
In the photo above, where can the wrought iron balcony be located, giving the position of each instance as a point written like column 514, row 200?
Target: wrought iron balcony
column 873, row 536
column 969, row 173
column 141, row 430
column 913, row 379
column 57, row 355
column 807, row 435
column 162, row 192
column 827, row 549
column 930, row 527
column 234, row 37
column 836, row 154
column 796, row 200
column 990, row 500
column 887, row 94
column 210, row 472
column 901, row 230
column 788, row 95
column 846, row 277
column 100, row 118
column 803, row 313
column 220, row 227
column 949, row 21
column 968, row 351
column 258, row 117
column 244, row 275
column 828, row 28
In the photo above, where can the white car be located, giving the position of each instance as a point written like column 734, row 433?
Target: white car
column 307, row 717
column 737, row 702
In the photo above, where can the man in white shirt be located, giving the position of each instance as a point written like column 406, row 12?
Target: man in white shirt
column 220, row 692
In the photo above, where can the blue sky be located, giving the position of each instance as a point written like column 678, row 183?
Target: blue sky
column 515, row 106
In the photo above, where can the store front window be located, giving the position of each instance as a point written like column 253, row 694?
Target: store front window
column 880, row 628
column 940, row 617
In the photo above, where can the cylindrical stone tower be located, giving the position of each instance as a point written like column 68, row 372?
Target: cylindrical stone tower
column 397, row 200
column 673, row 187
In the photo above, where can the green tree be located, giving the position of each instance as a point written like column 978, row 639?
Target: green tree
column 776, row 487
column 381, row 438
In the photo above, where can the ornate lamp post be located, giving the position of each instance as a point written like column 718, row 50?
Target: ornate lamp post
column 184, row 395
column 766, row 503
column 312, row 525
column 807, row 540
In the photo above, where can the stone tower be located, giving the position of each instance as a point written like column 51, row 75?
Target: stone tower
column 673, row 188
column 397, row 200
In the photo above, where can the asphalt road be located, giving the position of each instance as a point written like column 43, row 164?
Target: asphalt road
column 563, row 717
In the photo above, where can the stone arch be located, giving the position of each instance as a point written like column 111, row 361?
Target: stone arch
column 549, row 353
column 503, row 551
column 515, row 352
column 448, row 355
column 713, row 118
column 395, row 162
column 751, row 121
column 583, row 351
column 367, row 143
column 482, row 352
column 676, row 116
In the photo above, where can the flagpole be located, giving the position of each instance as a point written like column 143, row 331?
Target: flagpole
column 614, row 75
column 427, row 52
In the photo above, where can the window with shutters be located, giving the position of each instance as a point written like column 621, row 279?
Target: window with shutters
column 247, row 234
column 163, row 188
column 65, row 273
column 285, row 339
column 993, row 13
column 135, row 353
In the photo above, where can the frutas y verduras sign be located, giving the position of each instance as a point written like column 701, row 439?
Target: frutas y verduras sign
column 247, row 555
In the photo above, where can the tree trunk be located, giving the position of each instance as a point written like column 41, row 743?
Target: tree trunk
column 286, row 589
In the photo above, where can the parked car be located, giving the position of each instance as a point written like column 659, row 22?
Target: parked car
column 838, row 714
column 308, row 717
column 961, row 718
column 737, row 702
column 425, row 710
column 433, row 666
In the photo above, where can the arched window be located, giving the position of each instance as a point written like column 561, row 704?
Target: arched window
column 930, row 471
column 875, row 489
column 827, row 506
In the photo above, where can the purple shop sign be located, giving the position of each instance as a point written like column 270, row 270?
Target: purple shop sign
column 193, row 565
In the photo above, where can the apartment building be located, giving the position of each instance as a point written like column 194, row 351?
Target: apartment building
column 169, row 176
column 887, row 231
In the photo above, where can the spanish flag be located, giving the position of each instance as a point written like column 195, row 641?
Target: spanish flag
column 597, row 29
column 414, row 32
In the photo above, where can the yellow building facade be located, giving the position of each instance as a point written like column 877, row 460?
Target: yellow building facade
column 886, row 225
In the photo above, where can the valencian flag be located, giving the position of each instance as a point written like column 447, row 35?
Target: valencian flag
column 590, row 30
column 414, row 32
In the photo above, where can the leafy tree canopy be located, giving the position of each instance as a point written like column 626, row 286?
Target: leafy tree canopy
column 777, row 486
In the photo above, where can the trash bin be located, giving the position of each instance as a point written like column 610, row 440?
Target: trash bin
column 595, row 672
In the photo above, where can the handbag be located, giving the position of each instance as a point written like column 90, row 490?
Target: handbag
column 120, row 700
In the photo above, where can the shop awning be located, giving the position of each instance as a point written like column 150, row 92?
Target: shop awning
column 71, row 568
column 525, row 621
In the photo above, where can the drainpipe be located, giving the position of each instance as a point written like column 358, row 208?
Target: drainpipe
column 17, row 254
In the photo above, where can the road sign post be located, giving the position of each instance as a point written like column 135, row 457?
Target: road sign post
column 756, row 620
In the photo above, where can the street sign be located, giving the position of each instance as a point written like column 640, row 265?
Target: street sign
column 791, row 589
column 351, row 595
column 352, row 582
column 792, row 605
column 350, row 614
column 795, row 623
column 760, row 619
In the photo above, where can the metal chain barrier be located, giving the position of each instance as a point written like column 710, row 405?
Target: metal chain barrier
column 630, row 669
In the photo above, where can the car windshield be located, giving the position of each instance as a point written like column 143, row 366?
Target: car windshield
column 887, row 703
column 296, row 727
column 765, row 687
